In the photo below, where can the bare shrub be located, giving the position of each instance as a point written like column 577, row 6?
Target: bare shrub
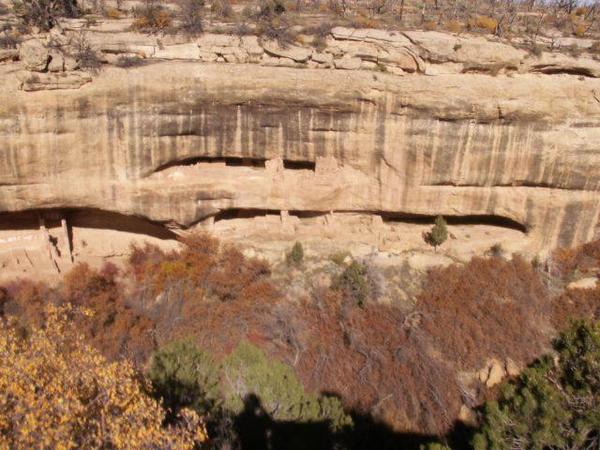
column 320, row 34
column 430, row 25
column 191, row 16
column 488, row 307
column 44, row 13
column 222, row 9
column 454, row 26
column 566, row 263
column 242, row 29
column 271, row 8
column 84, row 53
column 151, row 17
column 126, row 62
column 536, row 49
column 112, row 13
column 486, row 23
column 575, row 304
column 362, row 20
column 274, row 26
column 369, row 357
column 9, row 40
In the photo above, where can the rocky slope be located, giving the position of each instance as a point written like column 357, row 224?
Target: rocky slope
column 393, row 126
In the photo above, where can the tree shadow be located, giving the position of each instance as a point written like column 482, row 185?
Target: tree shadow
column 256, row 429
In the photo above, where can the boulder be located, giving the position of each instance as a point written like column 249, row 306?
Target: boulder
column 207, row 56
column 402, row 58
column 53, row 81
column 364, row 51
column 178, row 51
column 143, row 51
column 348, row 63
column 323, row 58
column 34, row 55
column 252, row 47
column 584, row 283
column 436, row 47
column 231, row 54
column 512, row 368
column 218, row 40
column 278, row 62
column 368, row 65
column 370, row 35
column 70, row 63
column 550, row 63
column 492, row 374
column 467, row 416
column 293, row 52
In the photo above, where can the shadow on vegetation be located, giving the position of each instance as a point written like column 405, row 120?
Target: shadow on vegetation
column 256, row 429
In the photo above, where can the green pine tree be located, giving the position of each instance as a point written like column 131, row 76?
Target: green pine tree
column 248, row 371
column 182, row 375
column 438, row 234
column 553, row 404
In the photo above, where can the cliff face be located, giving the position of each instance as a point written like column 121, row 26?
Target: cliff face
column 184, row 142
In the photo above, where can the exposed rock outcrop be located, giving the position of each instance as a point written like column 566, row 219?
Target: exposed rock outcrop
column 150, row 141
column 34, row 55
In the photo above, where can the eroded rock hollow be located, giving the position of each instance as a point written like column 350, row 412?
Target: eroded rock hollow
column 186, row 143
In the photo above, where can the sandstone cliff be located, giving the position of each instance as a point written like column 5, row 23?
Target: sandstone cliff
column 391, row 125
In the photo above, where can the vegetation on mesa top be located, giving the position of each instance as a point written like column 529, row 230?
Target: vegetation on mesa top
column 284, row 21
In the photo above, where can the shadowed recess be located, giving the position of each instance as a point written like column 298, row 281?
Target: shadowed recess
column 85, row 218
column 388, row 217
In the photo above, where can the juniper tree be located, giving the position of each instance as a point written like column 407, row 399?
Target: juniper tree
column 554, row 404
column 438, row 234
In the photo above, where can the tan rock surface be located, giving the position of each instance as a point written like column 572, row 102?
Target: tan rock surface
column 34, row 55
column 517, row 153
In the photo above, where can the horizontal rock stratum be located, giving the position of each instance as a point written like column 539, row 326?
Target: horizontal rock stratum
column 181, row 141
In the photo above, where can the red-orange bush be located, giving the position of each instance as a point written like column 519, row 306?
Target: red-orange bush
column 485, row 308
column 583, row 259
column 115, row 328
column 374, row 358
column 203, row 269
column 575, row 304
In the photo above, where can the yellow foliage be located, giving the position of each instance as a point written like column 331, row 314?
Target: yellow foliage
column 157, row 19
column 580, row 29
column 430, row 25
column 486, row 23
column 361, row 20
column 454, row 26
column 112, row 13
column 141, row 23
column 57, row 392
column 163, row 20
